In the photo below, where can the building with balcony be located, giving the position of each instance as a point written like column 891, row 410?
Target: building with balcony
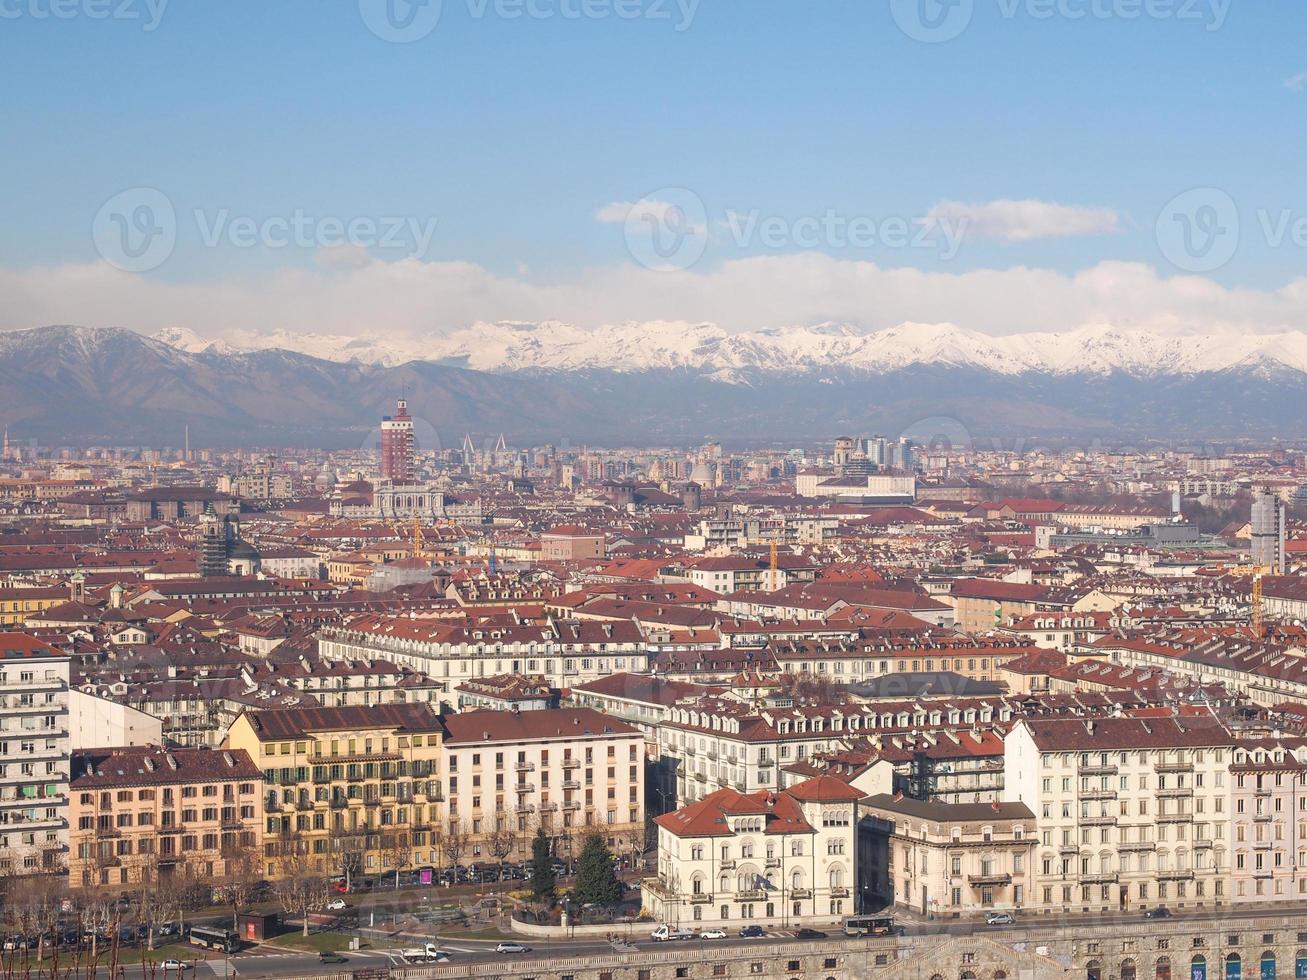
column 572, row 771
column 945, row 859
column 34, row 746
column 347, row 789
column 773, row 858
column 1131, row 812
column 144, row 814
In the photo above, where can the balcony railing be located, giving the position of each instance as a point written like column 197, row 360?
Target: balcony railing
column 1097, row 770
column 1175, row 792
column 800, row 893
column 985, row 879
column 840, row 892
column 1137, row 845
column 1102, row 878
column 700, row 898
column 755, row 895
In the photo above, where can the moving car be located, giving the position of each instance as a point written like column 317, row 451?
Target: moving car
column 1161, row 912
column 752, row 932
column 665, row 933
column 424, row 954
column 810, row 934
column 712, row 934
column 336, row 904
column 174, row 965
column 1000, row 919
column 326, row 956
column 512, row 948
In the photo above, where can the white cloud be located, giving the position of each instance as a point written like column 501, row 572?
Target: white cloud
column 414, row 299
column 1024, row 221
column 1297, row 83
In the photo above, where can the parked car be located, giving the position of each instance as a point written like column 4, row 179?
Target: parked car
column 174, row 966
column 752, row 932
column 512, row 948
column 1161, row 912
column 1000, row 919
column 712, row 934
column 336, row 904
column 810, row 934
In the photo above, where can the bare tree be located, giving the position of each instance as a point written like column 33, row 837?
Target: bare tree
column 32, row 908
column 502, row 840
column 242, row 873
column 397, row 851
column 303, row 889
column 454, row 842
column 347, row 857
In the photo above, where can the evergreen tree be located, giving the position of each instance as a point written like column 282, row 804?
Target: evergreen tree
column 542, row 865
column 596, row 878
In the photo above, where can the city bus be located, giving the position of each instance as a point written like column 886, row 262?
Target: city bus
column 211, row 937
column 870, row 925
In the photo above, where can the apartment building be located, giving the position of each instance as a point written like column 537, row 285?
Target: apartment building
column 946, row 859
column 772, row 858
column 141, row 814
column 34, row 745
column 571, row 771
column 1268, row 785
column 1131, row 812
column 347, row 787
column 565, row 652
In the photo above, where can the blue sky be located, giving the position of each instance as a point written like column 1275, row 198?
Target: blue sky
column 514, row 133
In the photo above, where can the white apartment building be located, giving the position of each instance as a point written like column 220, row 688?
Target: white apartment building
column 714, row 743
column 776, row 859
column 34, row 752
column 572, row 771
column 1131, row 812
column 564, row 652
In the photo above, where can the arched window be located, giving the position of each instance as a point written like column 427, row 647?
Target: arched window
column 1268, row 966
column 1198, row 968
column 1093, row 970
column 837, row 877
column 1128, row 971
column 1233, row 967
column 1163, row 968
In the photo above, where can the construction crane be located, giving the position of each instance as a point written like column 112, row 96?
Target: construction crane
column 1258, row 572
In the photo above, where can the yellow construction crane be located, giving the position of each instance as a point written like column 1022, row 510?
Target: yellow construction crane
column 1258, row 572
column 417, row 536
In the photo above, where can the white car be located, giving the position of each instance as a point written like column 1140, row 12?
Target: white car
column 336, row 904
column 712, row 934
column 512, row 948
column 170, row 965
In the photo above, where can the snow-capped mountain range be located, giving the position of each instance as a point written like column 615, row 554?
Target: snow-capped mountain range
column 551, row 346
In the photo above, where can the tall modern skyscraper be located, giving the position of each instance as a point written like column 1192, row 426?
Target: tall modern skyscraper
column 1268, row 521
column 397, row 445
